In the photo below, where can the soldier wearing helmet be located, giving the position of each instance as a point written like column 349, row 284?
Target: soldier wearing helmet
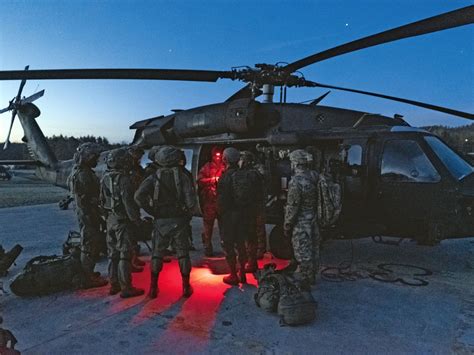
column 207, row 179
column 123, row 216
column 256, row 240
column 168, row 196
column 84, row 186
column 237, row 206
column 300, row 222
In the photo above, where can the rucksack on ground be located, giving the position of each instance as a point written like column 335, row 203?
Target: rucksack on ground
column 47, row 274
column 285, row 295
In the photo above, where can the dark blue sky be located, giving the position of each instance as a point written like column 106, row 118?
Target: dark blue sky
column 437, row 68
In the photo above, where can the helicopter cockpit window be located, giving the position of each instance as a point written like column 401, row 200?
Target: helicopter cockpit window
column 354, row 155
column 405, row 161
column 456, row 165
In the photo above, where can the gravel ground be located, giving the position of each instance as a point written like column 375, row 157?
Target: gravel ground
column 26, row 189
column 355, row 315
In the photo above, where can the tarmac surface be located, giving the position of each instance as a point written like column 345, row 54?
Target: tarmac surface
column 356, row 313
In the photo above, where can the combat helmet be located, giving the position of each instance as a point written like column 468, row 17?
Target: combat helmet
column 118, row 158
column 230, row 155
column 86, row 152
column 299, row 157
column 168, row 156
column 152, row 152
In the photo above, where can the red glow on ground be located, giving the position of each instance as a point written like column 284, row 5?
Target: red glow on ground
column 196, row 316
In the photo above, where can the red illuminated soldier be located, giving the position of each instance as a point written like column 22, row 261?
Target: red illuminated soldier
column 207, row 183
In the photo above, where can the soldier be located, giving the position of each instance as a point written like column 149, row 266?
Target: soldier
column 207, row 178
column 7, row 341
column 237, row 206
column 84, row 185
column 123, row 216
column 247, row 163
column 300, row 216
column 168, row 196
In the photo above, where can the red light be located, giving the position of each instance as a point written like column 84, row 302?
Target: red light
column 218, row 154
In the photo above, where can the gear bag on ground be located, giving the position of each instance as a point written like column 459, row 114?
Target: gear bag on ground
column 47, row 274
column 286, row 295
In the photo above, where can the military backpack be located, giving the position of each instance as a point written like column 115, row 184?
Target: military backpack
column 244, row 187
column 287, row 296
column 47, row 274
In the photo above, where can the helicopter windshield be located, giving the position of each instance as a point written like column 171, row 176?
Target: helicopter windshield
column 456, row 165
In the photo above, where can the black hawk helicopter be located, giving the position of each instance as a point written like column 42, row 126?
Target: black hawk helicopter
column 397, row 180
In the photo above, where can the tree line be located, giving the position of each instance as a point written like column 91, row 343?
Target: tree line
column 63, row 147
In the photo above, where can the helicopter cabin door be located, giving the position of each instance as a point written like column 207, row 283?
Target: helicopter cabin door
column 407, row 185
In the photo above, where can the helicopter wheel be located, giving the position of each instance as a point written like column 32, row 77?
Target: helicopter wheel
column 280, row 246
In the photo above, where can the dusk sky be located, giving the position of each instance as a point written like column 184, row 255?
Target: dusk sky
column 437, row 68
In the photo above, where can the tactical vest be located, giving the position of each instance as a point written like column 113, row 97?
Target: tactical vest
column 168, row 199
column 112, row 197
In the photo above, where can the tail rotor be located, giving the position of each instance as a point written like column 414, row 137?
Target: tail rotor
column 16, row 103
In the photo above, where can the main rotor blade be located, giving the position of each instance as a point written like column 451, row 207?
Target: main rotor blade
column 133, row 74
column 7, row 141
column 441, row 22
column 32, row 98
column 467, row 115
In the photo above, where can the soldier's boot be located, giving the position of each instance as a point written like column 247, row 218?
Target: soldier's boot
column 187, row 288
column 232, row 278
column 132, row 292
column 114, row 289
column 91, row 280
column 125, row 277
column 153, row 293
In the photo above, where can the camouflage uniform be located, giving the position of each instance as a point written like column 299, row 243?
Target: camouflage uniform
column 123, row 215
column 300, row 215
column 207, row 182
column 168, row 196
column 84, row 185
column 238, row 217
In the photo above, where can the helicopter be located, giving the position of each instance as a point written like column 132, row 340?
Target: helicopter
column 397, row 180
